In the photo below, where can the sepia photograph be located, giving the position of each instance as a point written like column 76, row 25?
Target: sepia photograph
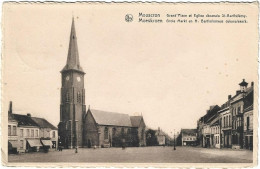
column 130, row 84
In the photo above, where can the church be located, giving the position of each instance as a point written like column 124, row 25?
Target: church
column 79, row 127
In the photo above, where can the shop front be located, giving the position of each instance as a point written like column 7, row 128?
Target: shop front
column 33, row 145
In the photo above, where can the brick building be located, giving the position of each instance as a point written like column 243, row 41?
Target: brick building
column 188, row 137
column 232, row 125
column 248, row 127
column 225, row 124
column 106, row 129
column 242, row 100
column 26, row 133
column 209, row 122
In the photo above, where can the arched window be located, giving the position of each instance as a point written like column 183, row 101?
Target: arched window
column 122, row 131
column 106, row 133
column 114, row 132
column 67, row 97
column 78, row 97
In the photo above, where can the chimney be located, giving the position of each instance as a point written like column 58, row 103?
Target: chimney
column 252, row 84
column 229, row 97
column 29, row 114
column 158, row 128
column 10, row 111
column 238, row 91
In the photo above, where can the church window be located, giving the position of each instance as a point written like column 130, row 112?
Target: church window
column 128, row 131
column 78, row 97
column 114, row 131
column 106, row 133
column 67, row 97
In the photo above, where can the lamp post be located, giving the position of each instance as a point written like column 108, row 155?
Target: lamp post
column 174, row 148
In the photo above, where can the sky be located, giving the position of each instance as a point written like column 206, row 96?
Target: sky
column 169, row 73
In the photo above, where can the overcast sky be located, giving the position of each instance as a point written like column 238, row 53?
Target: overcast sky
column 171, row 73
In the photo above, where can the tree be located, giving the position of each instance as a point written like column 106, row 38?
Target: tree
column 151, row 139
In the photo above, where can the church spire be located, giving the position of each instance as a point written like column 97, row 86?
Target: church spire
column 73, row 55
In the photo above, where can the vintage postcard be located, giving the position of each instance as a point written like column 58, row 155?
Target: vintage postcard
column 130, row 84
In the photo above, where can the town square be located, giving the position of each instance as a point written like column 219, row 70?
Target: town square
column 138, row 155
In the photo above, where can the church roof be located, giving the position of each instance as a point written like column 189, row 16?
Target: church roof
column 43, row 123
column 136, row 120
column 73, row 54
column 110, row 118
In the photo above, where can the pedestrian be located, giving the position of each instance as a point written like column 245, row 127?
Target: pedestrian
column 76, row 150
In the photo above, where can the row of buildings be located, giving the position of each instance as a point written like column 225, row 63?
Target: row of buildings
column 27, row 133
column 231, row 124
column 103, row 129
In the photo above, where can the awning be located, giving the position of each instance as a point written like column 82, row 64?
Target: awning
column 34, row 143
column 14, row 143
column 47, row 143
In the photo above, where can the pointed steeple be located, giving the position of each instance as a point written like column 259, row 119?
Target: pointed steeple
column 73, row 55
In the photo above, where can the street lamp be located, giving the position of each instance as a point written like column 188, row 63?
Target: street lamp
column 174, row 148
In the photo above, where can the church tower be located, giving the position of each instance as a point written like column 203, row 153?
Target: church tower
column 72, row 106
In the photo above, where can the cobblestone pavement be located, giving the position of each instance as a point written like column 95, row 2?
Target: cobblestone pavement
column 140, row 155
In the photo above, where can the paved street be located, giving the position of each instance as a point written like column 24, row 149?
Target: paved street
column 140, row 155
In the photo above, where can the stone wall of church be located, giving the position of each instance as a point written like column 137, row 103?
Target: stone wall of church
column 90, row 132
column 115, row 136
